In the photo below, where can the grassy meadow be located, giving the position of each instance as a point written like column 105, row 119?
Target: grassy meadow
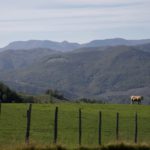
column 13, row 123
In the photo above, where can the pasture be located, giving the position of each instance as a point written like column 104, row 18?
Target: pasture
column 13, row 123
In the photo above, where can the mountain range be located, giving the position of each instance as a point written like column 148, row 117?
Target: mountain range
column 66, row 46
column 107, row 70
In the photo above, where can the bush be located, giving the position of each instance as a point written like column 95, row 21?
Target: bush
column 87, row 100
column 55, row 94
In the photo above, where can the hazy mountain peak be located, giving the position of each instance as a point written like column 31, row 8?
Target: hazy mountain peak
column 31, row 44
column 115, row 42
column 65, row 42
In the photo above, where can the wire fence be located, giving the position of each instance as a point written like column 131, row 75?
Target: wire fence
column 70, row 127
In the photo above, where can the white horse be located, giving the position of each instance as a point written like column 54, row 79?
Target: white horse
column 136, row 99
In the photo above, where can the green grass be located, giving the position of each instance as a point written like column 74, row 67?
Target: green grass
column 13, row 123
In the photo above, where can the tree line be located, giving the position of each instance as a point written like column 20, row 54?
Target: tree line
column 8, row 95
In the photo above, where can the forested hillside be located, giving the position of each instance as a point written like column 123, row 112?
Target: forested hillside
column 105, row 73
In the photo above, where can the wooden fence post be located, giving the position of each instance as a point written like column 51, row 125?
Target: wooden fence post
column 55, row 125
column 28, row 124
column 0, row 108
column 100, row 129
column 117, row 126
column 80, row 127
column 136, row 128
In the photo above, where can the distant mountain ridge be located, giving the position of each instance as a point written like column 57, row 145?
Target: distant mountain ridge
column 115, row 42
column 32, row 44
column 66, row 46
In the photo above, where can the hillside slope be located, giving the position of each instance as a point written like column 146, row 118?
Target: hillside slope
column 14, row 59
column 110, row 74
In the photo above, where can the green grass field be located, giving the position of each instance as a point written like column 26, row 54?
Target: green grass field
column 13, row 123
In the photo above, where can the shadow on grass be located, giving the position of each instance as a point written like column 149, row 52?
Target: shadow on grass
column 121, row 146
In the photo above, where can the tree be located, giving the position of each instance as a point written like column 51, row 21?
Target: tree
column 8, row 95
column 55, row 94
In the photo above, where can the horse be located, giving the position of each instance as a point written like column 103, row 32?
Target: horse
column 136, row 99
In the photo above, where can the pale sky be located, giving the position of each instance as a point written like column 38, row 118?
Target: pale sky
column 73, row 20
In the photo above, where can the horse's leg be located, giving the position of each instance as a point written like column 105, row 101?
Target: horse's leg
column 132, row 102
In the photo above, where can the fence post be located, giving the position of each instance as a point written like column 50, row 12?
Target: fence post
column 80, row 127
column 55, row 125
column 100, row 129
column 117, row 126
column 28, row 124
column 136, row 128
column 0, row 108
